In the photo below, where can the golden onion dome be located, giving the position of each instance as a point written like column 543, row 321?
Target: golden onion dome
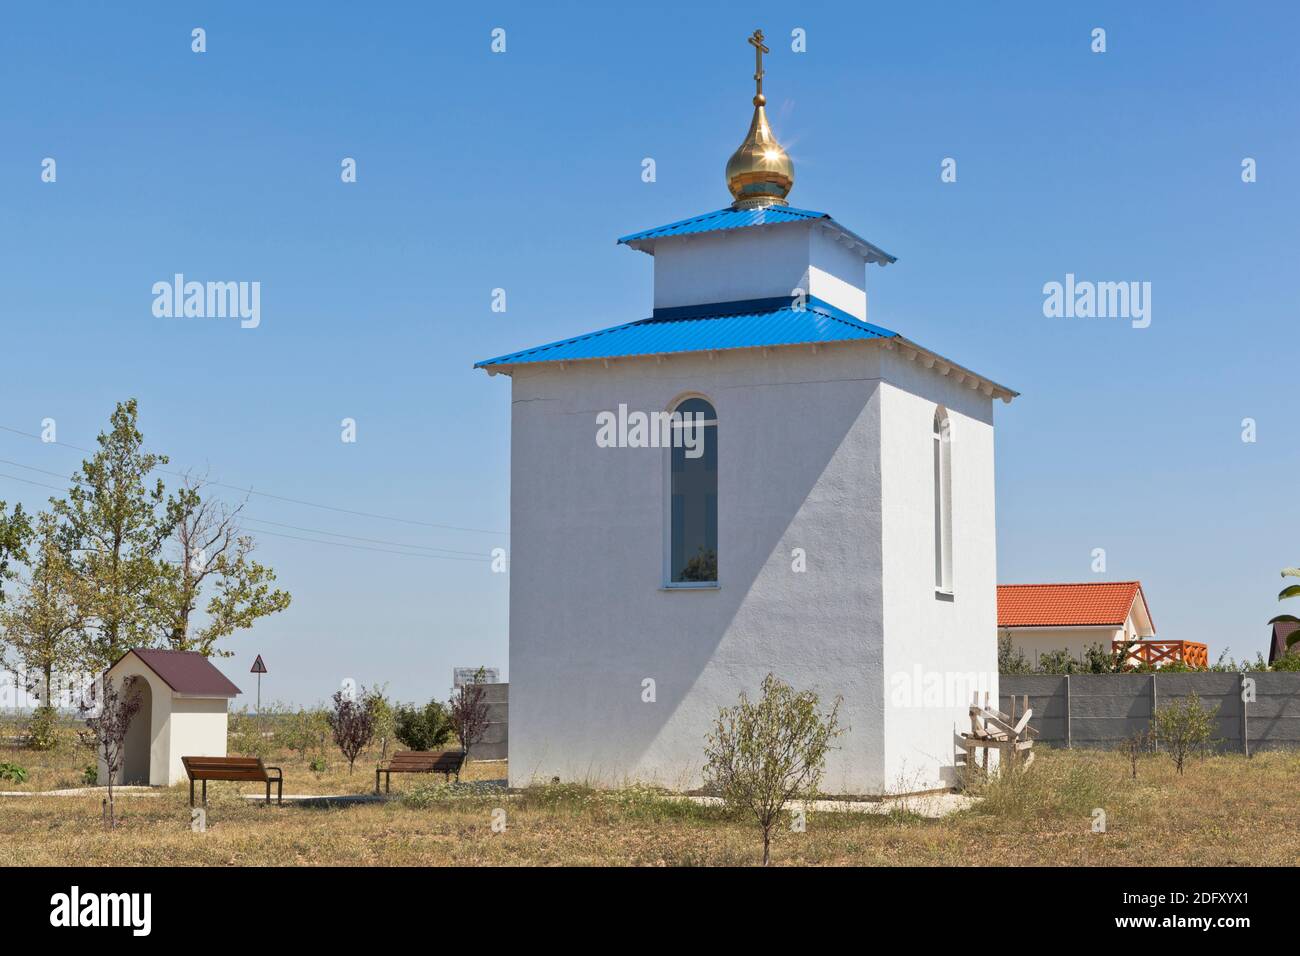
column 759, row 172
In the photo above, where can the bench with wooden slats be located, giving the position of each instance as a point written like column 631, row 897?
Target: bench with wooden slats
column 233, row 768
column 445, row 762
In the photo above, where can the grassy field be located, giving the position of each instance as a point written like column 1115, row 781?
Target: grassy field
column 1225, row 810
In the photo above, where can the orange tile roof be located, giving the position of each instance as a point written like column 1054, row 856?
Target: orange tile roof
column 1067, row 605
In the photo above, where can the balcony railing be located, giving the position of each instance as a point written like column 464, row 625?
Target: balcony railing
column 1159, row 653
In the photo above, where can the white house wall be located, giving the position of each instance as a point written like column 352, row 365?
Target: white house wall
column 937, row 650
column 758, row 263
column 198, row 729
column 1036, row 642
column 799, row 467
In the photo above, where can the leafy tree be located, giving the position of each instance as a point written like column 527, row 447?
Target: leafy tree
column 469, row 711
column 422, row 728
column 1011, row 659
column 1290, row 591
column 116, row 524
column 353, row 726
column 210, row 550
column 304, row 731
column 381, row 711
column 15, row 533
column 762, row 755
column 44, row 624
column 1184, row 727
column 107, row 722
column 42, row 621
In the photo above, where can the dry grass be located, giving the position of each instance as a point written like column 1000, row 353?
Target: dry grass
column 1224, row 810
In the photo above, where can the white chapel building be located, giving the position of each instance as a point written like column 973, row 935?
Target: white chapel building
column 834, row 526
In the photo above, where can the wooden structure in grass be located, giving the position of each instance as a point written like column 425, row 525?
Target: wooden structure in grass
column 991, row 729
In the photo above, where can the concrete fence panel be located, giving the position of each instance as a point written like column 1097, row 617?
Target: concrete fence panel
column 1257, row 710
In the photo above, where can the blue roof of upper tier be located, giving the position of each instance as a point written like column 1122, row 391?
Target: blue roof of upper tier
column 705, row 328
column 731, row 218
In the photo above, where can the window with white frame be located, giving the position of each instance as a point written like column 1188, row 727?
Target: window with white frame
column 693, row 496
column 942, row 502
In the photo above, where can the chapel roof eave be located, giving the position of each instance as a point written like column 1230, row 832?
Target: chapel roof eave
column 731, row 218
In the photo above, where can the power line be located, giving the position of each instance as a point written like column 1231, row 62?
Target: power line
column 267, row 494
column 337, row 544
column 277, row 524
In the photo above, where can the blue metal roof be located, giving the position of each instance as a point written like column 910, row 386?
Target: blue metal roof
column 706, row 328
column 731, row 218
column 728, row 218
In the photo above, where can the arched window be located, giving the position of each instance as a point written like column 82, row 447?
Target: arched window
column 693, row 495
column 942, row 502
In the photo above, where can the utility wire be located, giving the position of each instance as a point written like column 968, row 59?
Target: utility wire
column 277, row 524
column 337, row 544
column 267, row 494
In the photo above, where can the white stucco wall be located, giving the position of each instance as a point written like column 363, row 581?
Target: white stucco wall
column 800, row 466
column 939, row 649
column 198, row 729
column 159, row 729
column 757, row 263
column 589, row 617
column 1036, row 642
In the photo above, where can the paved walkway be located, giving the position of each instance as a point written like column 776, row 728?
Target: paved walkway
column 85, row 792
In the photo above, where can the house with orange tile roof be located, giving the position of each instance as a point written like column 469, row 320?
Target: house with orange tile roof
column 1041, row 618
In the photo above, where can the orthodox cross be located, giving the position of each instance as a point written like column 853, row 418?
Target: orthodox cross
column 756, row 41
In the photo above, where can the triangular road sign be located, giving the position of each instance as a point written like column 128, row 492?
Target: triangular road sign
column 258, row 666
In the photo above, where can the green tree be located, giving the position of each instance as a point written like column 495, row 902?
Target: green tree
column 116, row 523
column 211, row 557
column 1290, row 591
column 44, row 623
column 1011, row 659
column 383, row 716
column 422, row 728
column 15, row 533
column 762, row 755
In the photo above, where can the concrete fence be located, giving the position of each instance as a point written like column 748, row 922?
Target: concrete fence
column 493, row 746
column 1100, row 710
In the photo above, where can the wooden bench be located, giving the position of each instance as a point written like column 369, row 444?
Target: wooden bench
column 233, row 768
column 445, row 762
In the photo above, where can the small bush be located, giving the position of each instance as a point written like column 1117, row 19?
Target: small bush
column 423, row 728
column 318, row 765
column 11, row 771
column 42, row 730
column 1184, row 727
column 90, row 775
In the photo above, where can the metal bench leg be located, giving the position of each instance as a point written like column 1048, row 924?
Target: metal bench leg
column 376, row 781
column 279, row 792
column 191, row 793
column 268, row 793
column 205, row 793
column 388, row 782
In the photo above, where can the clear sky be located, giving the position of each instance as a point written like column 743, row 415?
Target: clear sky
column 517, row 170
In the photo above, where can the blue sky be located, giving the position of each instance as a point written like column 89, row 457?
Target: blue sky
column 518, row 170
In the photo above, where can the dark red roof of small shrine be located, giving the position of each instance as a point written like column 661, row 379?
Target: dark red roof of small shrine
column 185, row 672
